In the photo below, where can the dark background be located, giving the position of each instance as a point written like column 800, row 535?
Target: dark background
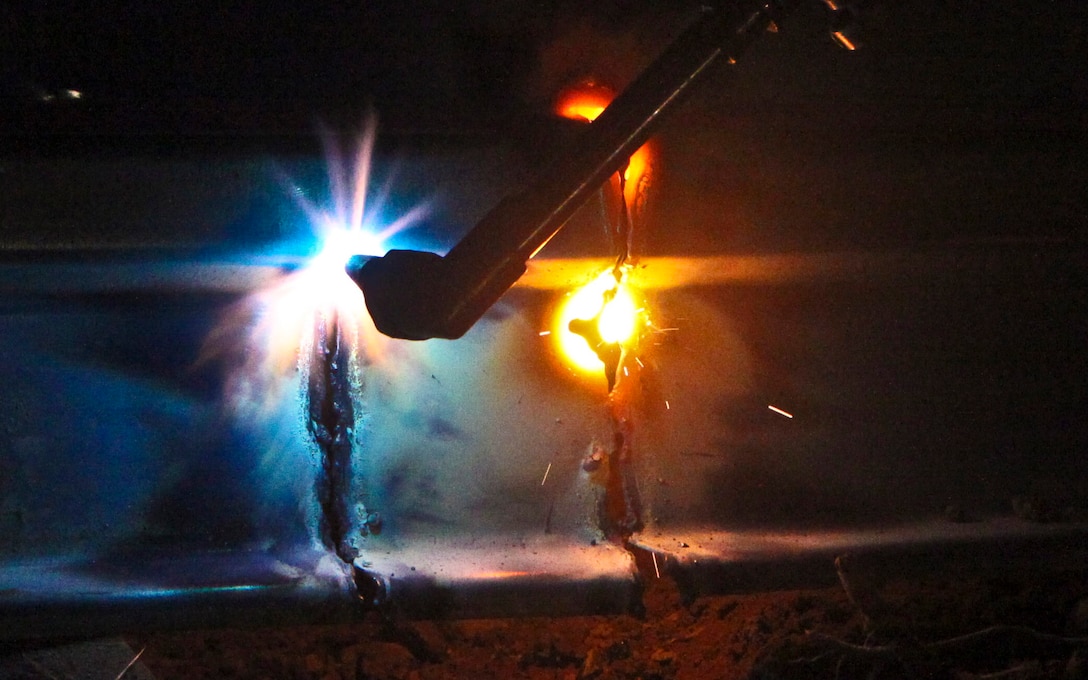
column 1001, row 62
column 957, row 121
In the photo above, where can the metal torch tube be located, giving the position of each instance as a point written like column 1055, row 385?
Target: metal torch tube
column 492, row 256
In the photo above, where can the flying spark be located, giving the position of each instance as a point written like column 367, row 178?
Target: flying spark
column 130, row 664
column 546, row 471
column 779, row 411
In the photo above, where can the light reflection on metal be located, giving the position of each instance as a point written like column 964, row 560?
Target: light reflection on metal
column 499, row 575
column 709, row 559
column 666, row 273
column 652, row 273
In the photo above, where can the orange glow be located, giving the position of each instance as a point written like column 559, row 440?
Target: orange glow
column 637, row 171
column 844, row 40
column 612, row 305
column 667, row 273
column 618, row 321
column 500, row 574
column 586, row 102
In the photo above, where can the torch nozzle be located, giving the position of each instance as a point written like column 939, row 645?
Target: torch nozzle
column 417, row 295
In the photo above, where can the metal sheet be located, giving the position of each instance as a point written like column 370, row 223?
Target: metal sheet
column 133, row 494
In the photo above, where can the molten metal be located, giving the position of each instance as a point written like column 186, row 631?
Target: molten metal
column 613, row 315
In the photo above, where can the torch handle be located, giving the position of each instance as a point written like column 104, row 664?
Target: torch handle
column 417, row 295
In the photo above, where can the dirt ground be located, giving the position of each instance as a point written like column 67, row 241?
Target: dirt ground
column 1002, row 624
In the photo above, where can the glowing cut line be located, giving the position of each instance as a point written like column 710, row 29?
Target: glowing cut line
column 585, row 102
column 779, row 411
